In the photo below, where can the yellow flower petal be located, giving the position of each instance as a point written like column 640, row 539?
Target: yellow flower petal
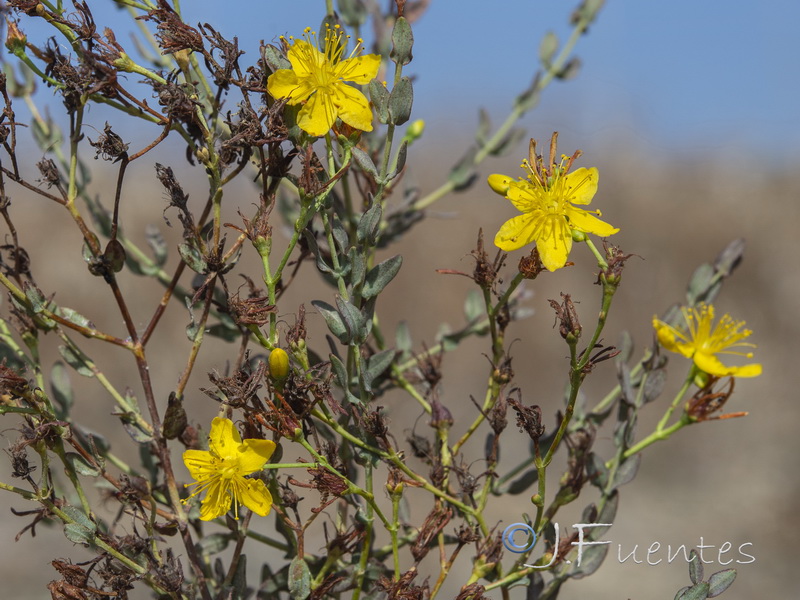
column 359, row 69
column 353, row 107
column 581, row 185
column 224, row 438
column 199, row 462
column 668, row 337
column 753, row 370
column 284, row 84
column 216, row 503
column 515, row 233
column 554, row 243
column 253, row 454
column 704, row 341
column 318, row 115
column 525, row 197
column 583, row 221
column 305, row 58
column 255, row 496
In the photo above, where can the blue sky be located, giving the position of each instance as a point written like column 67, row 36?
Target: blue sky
column 676, row 75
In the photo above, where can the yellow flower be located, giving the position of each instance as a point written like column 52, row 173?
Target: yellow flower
column 317, row 78
column 221, row 471
column 704, row 341
column 549, row 218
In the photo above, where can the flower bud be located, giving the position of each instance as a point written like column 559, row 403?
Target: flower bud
column 414, row 131
column 278, row 364
column 499, row 183
column 578, row 236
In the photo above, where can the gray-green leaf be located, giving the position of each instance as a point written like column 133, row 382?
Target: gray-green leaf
column 334, row 321
column 720, row 581
column 380, row 276
column 299, row 579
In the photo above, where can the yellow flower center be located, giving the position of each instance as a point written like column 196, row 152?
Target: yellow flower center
column 324, row 68
column 229, row 468
column 726, row 334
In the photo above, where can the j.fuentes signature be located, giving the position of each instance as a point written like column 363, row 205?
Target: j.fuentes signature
column 653, row 555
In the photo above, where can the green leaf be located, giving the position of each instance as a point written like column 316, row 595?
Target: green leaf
column 193, row 258
column 74, row 317
column 730, row 257
column 312, row 245
column 225, row 331
column 695, row 567
column 339, row 372
column 340, row 236
column 402, row 42
column 275, row 59
column 380, row 276
column 333, row 320
column 77, row 360
column 352, row 318
column 239, row 583
column 524, row 482
column 402, row 337
column 299, row 579
column 700, row 284
column 401, row 100
column 380, row 100
column 529, row 98
column 626, row 472
column 81, row 466
column 587, row 11
column 369, row 224
column 607, row 514
column 591, row 560
column 365, row 162
column 509, row 142
column 625, row 347
column 596, row 471
column 61, row 388
column 214, row 543
column 35, row 297
column 547, row 48
column 402, row 154
column 157, row 244
column 720, row 581
column 696, row 592
column 376, row 365
column 82, row 529
column 463, row 174
column 474, row 306
column 570, row 70
column 484, row 127
column 353, row 12
column 654, row 384
column 625, row 386
column 133, row 428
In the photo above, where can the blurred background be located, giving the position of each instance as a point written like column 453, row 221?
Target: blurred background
column 689, row 110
